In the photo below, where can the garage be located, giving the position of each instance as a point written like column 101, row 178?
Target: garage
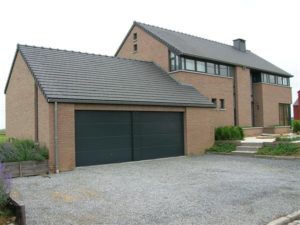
column 119, row 136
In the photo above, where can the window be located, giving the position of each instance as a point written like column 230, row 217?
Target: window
column 279, row 80
column 190, row 64
column 134, row 36
column 135, row 47
column 210, row 68
column 284, row 114
column 230, row 71
column 223, row 70
column 272, row 79
column 222, row 103
column 172, row 61
column 200, row 66
column 285, row 81
column 214, row 101
column 217, row 71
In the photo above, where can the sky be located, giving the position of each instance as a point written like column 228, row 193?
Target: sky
column 270, row 28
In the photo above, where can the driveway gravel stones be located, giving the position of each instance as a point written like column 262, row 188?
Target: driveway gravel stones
column 210, row 189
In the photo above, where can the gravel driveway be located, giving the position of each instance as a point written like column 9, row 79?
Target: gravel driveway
column 211, row 189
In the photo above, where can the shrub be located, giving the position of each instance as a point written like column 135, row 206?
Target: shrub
column 229, row 133
column 5, row 186
column 280, row 149
column 226, row 147
column 22, row 150
column 296, row 126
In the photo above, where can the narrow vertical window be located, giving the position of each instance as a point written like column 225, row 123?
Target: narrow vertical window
column 172, row 61
column 135, row 47
column 222, row 103
column 134, row 36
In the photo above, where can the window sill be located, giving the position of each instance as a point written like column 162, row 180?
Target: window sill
column 200, row 73
column 134, row 52
column 222, row 109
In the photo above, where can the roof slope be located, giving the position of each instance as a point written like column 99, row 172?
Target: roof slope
column 199, row 47
column 68, row 76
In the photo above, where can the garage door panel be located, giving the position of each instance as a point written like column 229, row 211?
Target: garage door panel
column 107, row 156
column 104, row 130
column 157, row 134
column 85, row 144
column 102, row 137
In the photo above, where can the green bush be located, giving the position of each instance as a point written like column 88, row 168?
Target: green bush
column 280, row 149
column 296, row 126
column 229, row 133
column 226, row 147
column 17, row 150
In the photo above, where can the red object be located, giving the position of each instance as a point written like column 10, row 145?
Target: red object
column 297, row 108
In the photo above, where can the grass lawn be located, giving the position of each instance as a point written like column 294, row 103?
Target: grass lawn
column 226, row 147
column 2, row 138
column 286, row 149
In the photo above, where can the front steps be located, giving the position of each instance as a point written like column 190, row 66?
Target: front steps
column 247, row 148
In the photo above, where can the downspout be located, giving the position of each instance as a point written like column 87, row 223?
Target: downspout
column 56, row 138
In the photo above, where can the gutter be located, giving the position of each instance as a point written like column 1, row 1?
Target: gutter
column 56, row 138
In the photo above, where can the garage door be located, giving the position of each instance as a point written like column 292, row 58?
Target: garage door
column 110, row 136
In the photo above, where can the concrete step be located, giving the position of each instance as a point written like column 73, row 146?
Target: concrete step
column 243, row 152
column 251, row 144
column 247, row 148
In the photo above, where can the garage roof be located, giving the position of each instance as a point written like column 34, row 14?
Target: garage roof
column 68, row 76
column 189, row 45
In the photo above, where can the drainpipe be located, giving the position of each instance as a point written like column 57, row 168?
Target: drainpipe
column 56, row 139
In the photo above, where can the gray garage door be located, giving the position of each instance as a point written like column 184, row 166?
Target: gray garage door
column 111, row 136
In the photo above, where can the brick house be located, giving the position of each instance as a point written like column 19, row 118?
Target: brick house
column 162, row 95
column 297, row 107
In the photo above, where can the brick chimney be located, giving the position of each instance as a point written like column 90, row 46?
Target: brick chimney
column 240, row 44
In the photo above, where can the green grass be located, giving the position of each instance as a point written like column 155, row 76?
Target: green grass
column 226, row 148
column 286, row 149
column 2, row 138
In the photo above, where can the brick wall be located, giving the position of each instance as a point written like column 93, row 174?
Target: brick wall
column 243, row 96
column 149, row 49
column 212, row 87
column 20, row 114
column 266, row 103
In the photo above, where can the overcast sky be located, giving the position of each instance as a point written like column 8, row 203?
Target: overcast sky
column 270, row 28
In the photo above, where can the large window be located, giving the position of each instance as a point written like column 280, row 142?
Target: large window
column 183, row 63
column 284, row 114
column 190, row 64
column 271, row 79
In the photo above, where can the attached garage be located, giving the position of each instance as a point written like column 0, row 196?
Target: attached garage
column 91, row 109
column 117, row 136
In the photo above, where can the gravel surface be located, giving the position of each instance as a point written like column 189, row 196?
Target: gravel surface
column 211, row 189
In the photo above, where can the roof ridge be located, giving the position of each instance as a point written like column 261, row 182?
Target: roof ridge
column 86, row 53
column 182, row 33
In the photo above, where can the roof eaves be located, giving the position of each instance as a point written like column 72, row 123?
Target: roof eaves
column 118, row 102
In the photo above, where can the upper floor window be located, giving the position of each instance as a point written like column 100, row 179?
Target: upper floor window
column 135, row 47
column 134, row 36
column 270, row 79
column 190, row 64
column 184, row 63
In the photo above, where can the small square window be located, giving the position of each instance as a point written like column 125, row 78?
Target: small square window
column 222, row 103
column 214, row 101
column 134, row 36
column 135, row 47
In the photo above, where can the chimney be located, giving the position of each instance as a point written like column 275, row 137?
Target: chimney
column 240, row 44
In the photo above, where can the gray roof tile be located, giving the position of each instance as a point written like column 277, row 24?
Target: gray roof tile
column 68, row 76
column 186, row 44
